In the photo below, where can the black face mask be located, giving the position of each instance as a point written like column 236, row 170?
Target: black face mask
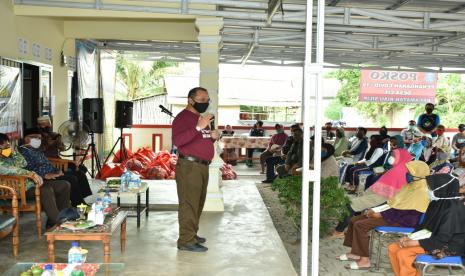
column 461, row 129
column 200, row 107
column 429, row 110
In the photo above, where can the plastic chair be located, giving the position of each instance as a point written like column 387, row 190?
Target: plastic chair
column 381, row 231
column 449, row 262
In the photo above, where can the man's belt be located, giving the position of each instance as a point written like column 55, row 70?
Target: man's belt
column 194, row 159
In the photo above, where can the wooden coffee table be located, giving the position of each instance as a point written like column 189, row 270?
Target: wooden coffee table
column 113, row 221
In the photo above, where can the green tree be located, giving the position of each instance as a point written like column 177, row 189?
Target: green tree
column 348, row 96
column 140, row 81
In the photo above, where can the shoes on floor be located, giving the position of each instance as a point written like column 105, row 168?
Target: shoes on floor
column 193, row 248
column 267, row 181
column 200, row 239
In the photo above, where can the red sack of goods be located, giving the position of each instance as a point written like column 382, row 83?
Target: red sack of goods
column 147, row 153
column 143, row 159
column 134, row 165
column 119, row 159
column 108, row 171
column 227, row 172
column 156, row 172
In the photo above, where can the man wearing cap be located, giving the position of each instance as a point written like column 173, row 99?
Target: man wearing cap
column 194, row 140
column 38, row 163
column 52, row 144
column 408, row 133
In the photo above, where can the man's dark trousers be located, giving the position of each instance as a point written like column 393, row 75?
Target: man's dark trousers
column 191, row 182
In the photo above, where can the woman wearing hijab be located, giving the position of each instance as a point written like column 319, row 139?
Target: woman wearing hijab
column 444, row 218
column 404, row 209
column 373, row 158
column 441, row 164
column 395, row 142
column 385, row 188
column 341, row 143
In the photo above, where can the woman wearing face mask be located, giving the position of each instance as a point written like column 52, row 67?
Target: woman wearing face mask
column 441, row 164
column 444, row 218
column 404, row 209
column 416, row 148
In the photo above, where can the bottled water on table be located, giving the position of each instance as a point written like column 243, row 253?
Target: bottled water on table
column 134, row 182
column 106, row 199
column 125, row 178
column 74, row 254
column 48, row 270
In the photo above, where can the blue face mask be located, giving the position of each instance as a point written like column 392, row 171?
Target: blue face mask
column 324, row 154
column 425, row 143
column 409, row 177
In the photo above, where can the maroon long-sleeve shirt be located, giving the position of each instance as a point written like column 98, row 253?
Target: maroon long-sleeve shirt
column 188, row 140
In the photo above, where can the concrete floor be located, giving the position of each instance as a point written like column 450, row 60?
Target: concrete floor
column 242, row 240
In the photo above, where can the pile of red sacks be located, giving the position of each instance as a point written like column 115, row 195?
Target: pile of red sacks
column 145, row 162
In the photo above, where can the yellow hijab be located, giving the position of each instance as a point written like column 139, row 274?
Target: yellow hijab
column 414, row 195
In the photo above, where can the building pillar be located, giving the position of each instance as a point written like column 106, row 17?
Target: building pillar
column 210, row 45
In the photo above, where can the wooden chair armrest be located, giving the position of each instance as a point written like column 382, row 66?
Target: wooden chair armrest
column 63, row 163
column 14, row 199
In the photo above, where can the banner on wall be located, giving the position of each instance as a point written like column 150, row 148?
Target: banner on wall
column 397, row 86
column 10, row 101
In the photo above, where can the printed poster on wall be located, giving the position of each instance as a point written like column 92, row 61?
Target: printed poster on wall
column 397, row 86
column 10, row 101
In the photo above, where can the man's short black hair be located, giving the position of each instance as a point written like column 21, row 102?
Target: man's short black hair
column 277, row 126
column 260, row 123
column 194, row 90
column 462, row 126
column 295, row 126
column 4, row 138
column 429, row 104
column 31, row 131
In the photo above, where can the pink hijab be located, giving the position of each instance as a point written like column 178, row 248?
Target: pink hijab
column 391, row 182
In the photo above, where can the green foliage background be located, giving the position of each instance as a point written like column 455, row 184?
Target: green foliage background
column 333, row 201
column 450, row 99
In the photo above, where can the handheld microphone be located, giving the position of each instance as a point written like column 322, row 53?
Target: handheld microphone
column 165, row 110
column 212, row 123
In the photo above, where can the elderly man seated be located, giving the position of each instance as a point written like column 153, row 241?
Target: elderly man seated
column 54, row 194
column 37, row 162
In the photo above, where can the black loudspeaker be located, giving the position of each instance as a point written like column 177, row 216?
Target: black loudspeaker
column 123, row 114
column 92, row 114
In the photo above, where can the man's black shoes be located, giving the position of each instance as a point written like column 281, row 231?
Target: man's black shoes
column 200, row 239
column 267, row 181
column 193, row 248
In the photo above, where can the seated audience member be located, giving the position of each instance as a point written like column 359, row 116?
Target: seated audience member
column 256, row 131
column 404, row 209
column 383, row 131
column 358, row 146
column 328, row 134
column 294, row 157
column 329, row 165
column 441, row 164
column 409, row 133
column 429, row 153
column 51, row 141
column 341, row 143
column 54, row 194
column 458, row 141
column 37, row 162
column 228, row 131
column 428, row 121
column 373, row 158
column 273, row 161
column 395, row 142
column 441, row 140
column 416, row 148
column 385, row 188
column 275, row 145
column 444, row 218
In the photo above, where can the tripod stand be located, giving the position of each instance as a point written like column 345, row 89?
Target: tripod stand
column 95, row 161
column 122, row 148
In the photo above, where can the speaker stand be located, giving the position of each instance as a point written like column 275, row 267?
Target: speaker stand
column 122, row 148
column 95, row 160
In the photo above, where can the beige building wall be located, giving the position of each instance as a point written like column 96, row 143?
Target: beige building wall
column 48, row 33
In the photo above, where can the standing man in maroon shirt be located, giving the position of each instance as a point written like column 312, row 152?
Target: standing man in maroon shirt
column 194, row 140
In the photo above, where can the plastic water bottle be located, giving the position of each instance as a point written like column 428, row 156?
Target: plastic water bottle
column 99, row 205
column 74, row 254
column 106, row 199
column 125, row 181
column 134, row 183
column 48, row 270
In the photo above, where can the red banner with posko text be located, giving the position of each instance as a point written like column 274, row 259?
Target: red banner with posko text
column 397, row 86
